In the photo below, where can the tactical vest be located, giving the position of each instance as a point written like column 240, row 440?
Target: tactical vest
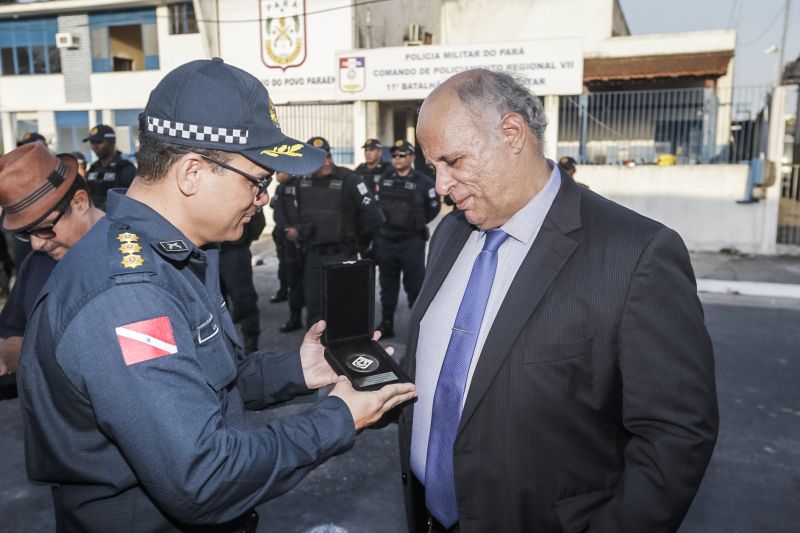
column 401, row 203
column 323, row 207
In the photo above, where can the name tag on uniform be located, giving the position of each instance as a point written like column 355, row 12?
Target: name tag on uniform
column 305, row 183
column 388, row 183
column 109, row 176
column 336, row 185
column 410, row 185
column 290, row 190
column 91, row 176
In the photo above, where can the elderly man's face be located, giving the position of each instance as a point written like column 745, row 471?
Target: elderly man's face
column 470, row 159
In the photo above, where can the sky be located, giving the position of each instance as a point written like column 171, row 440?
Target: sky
column 758, row 25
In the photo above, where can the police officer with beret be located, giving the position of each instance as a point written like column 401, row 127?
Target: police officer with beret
column 111, row 170
column 408, row 201
column 134, row 385
column 338, row 216
column 373, row 167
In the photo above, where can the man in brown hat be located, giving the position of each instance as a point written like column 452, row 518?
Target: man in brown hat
column 44, row 202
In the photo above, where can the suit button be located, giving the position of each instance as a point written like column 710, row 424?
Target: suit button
column 405, row 479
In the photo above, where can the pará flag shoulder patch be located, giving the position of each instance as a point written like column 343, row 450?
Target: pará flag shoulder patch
column 146, row 339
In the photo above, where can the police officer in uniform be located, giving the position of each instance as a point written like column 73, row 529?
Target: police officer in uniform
column 285, row 210
column 236, row 277
column 338, row 216
column 373, row 168
column 134, row 385
column 408, row 201
column 111, row 170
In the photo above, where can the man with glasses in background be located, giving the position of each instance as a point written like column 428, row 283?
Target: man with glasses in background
column 134, row 388
column 45, row 203
column 409, row 201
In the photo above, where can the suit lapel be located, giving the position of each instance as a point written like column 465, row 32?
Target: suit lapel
column 548, row 254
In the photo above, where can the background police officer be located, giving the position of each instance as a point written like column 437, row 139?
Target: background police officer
column 372, row 170
column 110, row 170
column 290, row 253
column 236, row 279
column 337, row 216
column 408, row 201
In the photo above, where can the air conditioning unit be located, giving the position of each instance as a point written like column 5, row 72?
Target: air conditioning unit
column 66, row 40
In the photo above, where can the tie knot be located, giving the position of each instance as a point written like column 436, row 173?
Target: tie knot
column 494, row 238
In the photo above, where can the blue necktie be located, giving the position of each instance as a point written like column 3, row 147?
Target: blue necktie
column 440, row 489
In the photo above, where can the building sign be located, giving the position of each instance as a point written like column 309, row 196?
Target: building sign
column 552, row 66
column 283, row 33
column 351, row 74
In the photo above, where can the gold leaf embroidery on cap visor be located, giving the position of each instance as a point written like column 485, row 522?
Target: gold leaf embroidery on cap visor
column 285, row 149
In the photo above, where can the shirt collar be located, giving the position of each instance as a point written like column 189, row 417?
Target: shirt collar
column 162, row 236
column 525, row 223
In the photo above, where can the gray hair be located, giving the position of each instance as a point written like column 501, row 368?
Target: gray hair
column 506, row 94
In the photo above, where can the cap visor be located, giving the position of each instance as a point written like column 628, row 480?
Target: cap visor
column 290, row 156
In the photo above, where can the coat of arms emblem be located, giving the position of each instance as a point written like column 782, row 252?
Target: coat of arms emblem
column 283, row 33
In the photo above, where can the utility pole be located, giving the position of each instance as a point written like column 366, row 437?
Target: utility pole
column 786, row 5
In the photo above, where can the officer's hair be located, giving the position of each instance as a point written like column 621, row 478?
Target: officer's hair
column 155, row 157
column 507, row 94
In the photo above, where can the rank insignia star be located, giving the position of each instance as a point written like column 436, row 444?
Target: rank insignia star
column 127, row 237
column 129, row 248
column 132, row 261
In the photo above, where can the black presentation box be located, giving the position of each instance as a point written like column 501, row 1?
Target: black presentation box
column 348, row 307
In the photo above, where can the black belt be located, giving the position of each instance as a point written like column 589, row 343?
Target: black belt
column 333, row 249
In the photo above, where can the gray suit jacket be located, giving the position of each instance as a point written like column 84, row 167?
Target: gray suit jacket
column 593, row 405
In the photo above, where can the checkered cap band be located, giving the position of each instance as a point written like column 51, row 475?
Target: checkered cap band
column 197, row 132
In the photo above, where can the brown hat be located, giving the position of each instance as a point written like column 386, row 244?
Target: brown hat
column 32, row 183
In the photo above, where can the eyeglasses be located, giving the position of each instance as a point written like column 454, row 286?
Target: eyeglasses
column 260, row 183
column 47, row 232
column 399, row 154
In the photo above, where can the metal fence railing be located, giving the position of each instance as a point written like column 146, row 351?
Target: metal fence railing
column 789, row 207
column 332, row 121
column 672, row 126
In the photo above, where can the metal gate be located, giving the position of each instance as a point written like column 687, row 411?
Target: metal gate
column 332, row 121
column 789, row 209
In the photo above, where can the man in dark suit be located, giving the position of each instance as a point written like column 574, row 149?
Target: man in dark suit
column 575, row 390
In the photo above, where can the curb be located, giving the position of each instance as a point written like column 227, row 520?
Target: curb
column 749, row 288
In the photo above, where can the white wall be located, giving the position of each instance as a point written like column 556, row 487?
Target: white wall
column 484, row 21
column 699, row 202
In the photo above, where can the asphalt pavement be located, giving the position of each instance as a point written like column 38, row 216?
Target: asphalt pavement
column 752, row 483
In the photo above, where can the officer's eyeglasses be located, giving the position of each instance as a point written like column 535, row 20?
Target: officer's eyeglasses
column 399, row 154
column 48, row 231
column 260, row 183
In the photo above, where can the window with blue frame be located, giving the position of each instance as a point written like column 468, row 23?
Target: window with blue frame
column 28, row 46
column 124, row 40
column 71, row 128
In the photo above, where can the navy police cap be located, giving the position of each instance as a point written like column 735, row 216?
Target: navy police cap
column 209, row 104
column 402, row 145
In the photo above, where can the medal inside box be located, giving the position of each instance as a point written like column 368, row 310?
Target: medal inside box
column 348, row 304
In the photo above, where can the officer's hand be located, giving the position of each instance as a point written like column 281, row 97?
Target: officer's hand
column 9, row 354
column 291, row 234
column 316, row 370
column 367, row 407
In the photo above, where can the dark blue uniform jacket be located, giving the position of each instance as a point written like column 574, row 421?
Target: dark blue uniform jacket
column 133, row 396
